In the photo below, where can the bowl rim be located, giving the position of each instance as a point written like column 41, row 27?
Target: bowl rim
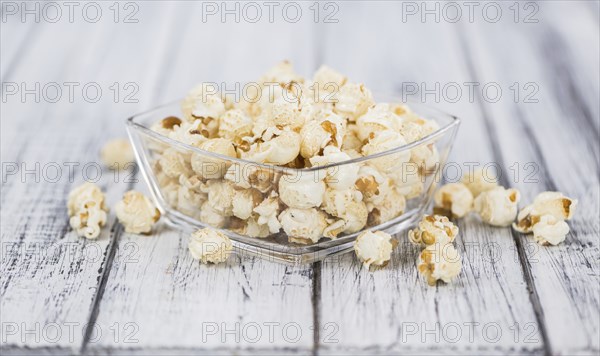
column 452, row 125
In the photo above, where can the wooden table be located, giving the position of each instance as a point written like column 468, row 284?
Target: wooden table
column 124, row 293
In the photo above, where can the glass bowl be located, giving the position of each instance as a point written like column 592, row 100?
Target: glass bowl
column 188, row 203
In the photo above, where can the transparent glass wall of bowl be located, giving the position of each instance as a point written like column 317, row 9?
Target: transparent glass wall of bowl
column 193, row 188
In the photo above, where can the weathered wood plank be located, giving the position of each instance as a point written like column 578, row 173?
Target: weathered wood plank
column 50, row 276
column 560, row 142
column 170, row 302
column 393, row 310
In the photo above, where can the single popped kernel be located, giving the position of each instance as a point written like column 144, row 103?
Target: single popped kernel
column 497, row 207
column 303, row 226
column 302, row 191
column 373, row 248
column 209, row 167
column 117, row 154
column 88, row 220
column 384, row 141
column 244, row 202
column 137, row 213
column 203, row 102
column 439, row 261
column 210, row 246
column 82, row 194
column 433, row 229
column 551, row 207
column 318, row 134
column 453, row 199
column 353, row 100
column 550, row 231
column 340, row 177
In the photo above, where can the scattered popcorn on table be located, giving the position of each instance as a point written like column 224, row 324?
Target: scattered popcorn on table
column 87, row 210
column 373, row 248
column 548, row 210
column 453, row 199
column 117, row 153
column 498, row 206
column 433, row 229
column 210, row 246
column 137, row 213
column 439, row 261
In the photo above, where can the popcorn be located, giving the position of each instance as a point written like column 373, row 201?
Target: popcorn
column 89, row 219
column 550, row 231
column 433, row 229
column 391, row 207
column 408, row 181
column 339, row 177
column 137, row 213
column 282, row 73
column 213, row 168
column 479, row 181
column 303, row 226
column 551, row 207
column 439, row 261
column 173, row 163
column 203, row 102
column 166, row 125
column 280, row 150
column 318, row 134
column 453, row 199
column 373, row 185
column 234, row 125
column 268, row 212
column 220, row 195
column 188, row 201
column 384, row 141
column 250, row 227
column 302, row 191
column 252, row 176
column 348, row 206
column 81, row 195
column 555, row 204
column 413, row 127
column 288, row 122
column 328, row 80
column 212, row 217
column 117, row 153
column 244, row 202
column 210, row 246
column 426, row 157
column 353, row 100
column 351, row 140
column 378, row 118
column 373, row 248
column 498, row 206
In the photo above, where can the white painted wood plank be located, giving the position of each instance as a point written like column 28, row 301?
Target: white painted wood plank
column 173, row 303
column 50, row 276
column 393, row 310
column 565, row 277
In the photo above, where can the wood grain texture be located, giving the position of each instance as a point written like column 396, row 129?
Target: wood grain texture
column 393, row 306
column 171, row 303
column 129, row 294
column 50, row 276
column 565, row 277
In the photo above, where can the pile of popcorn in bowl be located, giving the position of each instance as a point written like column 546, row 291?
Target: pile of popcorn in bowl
column 299, row 162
